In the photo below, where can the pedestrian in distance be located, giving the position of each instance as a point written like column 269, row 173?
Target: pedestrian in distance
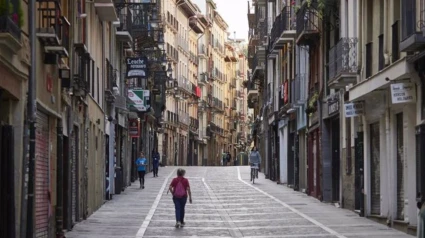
column 155, row 162
column 141, row 163
column 229, row 158
column 180, row 190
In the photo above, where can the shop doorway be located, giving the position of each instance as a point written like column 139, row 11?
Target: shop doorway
column 335, row 159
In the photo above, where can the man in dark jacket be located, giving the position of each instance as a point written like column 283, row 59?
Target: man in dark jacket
column 155, row 162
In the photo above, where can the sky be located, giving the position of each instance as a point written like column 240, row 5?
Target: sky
column 234, row 12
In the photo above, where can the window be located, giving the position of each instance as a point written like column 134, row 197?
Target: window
column 408, row 15
column 381, row 62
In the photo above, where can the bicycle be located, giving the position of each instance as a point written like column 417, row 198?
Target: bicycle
column 254, row 172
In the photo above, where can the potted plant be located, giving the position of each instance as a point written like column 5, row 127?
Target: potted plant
column 312, row 104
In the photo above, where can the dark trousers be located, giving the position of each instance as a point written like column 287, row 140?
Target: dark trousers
column 155, row 171
column 179, row 204
column 141, row 177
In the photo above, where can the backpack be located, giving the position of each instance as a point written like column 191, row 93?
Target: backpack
column 179, row 190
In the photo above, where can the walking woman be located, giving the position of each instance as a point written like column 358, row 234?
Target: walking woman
column 180, row 189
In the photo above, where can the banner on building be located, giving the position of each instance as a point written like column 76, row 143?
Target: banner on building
column 136, row 67
column 133, row 128
column 354, row 109
column 140, row 99
column 403, row 93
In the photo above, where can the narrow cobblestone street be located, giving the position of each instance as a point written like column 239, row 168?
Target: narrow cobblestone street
column 225, row 204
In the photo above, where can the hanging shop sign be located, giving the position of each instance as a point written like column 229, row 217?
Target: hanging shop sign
column 354, row 109
column 136, row 67
column 133, row 128
column 333, row 107
column 403, row 92
column 140, row 99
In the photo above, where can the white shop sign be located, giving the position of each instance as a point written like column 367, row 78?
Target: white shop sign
column 353, row 109
column 403, row 92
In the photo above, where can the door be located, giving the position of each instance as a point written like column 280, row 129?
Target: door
column 7, row 201
column 195, row 153
column 375, row 189
column 66, row 183
column 164, row 149
column 335, row 160
column 42, row 176
column 400, row 167
column 74, row 175
column 291, row 161
column 359, row 171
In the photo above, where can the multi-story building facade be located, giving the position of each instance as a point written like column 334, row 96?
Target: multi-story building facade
column 14, row 68
column 82, row 152
column 343, row 85
column 180, row 140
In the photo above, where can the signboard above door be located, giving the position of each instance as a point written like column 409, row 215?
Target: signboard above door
column 403, row 93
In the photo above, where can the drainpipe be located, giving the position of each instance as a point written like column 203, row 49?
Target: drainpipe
column 59, row 181
column 29, row 161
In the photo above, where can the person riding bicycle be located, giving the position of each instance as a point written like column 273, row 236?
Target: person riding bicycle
column 255, row 158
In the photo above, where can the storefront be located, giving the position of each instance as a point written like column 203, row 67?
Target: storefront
column 42, row 176
column 313, row 157
column 331, row 149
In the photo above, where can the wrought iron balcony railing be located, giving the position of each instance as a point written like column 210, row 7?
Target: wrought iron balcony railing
column 53, row 28
column 185, row 84
column 307, row 19
column 183, row 117
column 283, row 22
column 343, row 58
column 262, row 30
column 126, row 19
column 172, row 118
column 7, row 25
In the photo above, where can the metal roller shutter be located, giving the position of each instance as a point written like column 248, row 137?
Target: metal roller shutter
column 400, row 166
column 42, row 176
column 375, row 170
column 74, row 175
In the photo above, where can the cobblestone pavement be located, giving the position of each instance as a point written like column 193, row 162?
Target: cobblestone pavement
column 225, row 204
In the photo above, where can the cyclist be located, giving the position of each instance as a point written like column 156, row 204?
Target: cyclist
column 255, row 158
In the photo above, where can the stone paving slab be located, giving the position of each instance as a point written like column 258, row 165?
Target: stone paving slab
column 225, row 204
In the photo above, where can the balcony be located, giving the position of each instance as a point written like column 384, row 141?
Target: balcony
column 308, row 23
column 171, row 22
column 217, row 104
column 194, row 125
column 257, row 68
column 233, row 83
column 185, row 85
column 171, row 118
column 106, row 11
column 283, row 30
column 196, row 26
column 10, row 34
column 81, row 82
column 202, row 79
column 53, row 29
column 123, row 32
column 183, row 118
column 343, row 63
column 252, row 94
column 234, row 104
column 172, row 53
